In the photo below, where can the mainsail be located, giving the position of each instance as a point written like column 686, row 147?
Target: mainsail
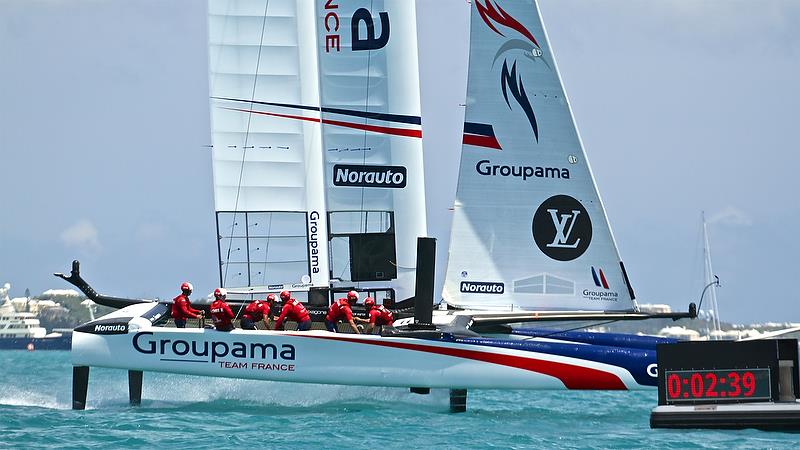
column 372, row 136
column 268, row 175
column 529, row 229
column 316, row 143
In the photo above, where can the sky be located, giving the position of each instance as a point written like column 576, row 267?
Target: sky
column 683, row 106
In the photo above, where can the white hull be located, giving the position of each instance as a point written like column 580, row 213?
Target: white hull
column 329, row 358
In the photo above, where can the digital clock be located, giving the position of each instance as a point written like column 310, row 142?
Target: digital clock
column 735, row 385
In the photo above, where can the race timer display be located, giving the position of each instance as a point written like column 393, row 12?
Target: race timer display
column 718, row 385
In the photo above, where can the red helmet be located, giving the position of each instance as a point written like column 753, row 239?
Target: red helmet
column 271, row 298
column 369, row 302
column 285, row 295
column 220, row 293
column 186, row 286
column 352, row 296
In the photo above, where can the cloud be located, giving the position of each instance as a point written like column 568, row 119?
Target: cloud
column 82, row 235
column 151, row 232
column 731, row 216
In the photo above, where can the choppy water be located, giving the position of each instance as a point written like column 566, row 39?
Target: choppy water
column 193, row 412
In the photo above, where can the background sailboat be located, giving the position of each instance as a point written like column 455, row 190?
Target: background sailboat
column 708, row 273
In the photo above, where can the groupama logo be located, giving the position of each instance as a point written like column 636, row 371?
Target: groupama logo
column 599, row 278
column 510, row 81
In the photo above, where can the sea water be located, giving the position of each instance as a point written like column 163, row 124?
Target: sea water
column 181, row 411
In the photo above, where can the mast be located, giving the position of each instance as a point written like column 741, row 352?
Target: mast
column 709, row 275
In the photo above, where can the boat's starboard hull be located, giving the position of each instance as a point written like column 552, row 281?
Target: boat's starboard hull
column 371, row 360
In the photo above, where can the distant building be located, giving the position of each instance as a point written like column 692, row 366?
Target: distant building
column 655, row 308
column 681, row 333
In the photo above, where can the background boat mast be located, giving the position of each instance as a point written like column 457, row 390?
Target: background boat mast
column 709, row 275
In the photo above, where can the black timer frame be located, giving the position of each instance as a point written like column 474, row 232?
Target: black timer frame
column 727, row 355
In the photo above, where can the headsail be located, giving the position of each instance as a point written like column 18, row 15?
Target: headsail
column 529, row 229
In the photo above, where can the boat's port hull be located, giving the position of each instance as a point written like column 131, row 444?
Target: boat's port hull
column 323, row 357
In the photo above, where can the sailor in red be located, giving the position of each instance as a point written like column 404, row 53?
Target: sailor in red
column 293, row 310
column 221, row 313
column 182, row 308
column 341, row 310
column 379, row 316
column 256, row 312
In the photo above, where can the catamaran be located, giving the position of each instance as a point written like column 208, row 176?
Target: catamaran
column 318, row 181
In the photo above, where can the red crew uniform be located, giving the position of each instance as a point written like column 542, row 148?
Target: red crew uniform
column 294, row 310
column 254, row 312
column 340, row 311
column 221, row 313
column 379, row 316
column 182, row 310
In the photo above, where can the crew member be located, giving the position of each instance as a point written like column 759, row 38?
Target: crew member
column 293, row 310
column 182, row 308
column 221, row 313
column 379, row 316
column 257, row 311
column 341, row 310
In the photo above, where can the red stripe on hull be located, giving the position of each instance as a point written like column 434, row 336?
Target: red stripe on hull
column 481, row 141
column 358, row 126
column 573, row 377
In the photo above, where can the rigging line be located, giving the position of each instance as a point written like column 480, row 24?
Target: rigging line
column 366, row 109
column 266, row 248
column 347, row 265
column 246, row 137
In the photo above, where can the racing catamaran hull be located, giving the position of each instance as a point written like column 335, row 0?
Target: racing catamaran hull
column 322, row 357
column 441, row 360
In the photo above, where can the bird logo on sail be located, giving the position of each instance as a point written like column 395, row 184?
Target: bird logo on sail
column 510, row 81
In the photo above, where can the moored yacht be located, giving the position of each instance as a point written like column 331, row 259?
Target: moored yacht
column 23, row 331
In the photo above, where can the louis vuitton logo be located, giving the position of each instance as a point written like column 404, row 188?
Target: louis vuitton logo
column 562, row 228
column 561, row 222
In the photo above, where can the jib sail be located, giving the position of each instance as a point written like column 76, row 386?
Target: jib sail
column 529, row 229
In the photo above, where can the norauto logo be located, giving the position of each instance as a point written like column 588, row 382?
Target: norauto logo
column 562, row 228
column 106, row 326
column 179, row 350
column 482, row 287
column 119, row 328
column 369, row 176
